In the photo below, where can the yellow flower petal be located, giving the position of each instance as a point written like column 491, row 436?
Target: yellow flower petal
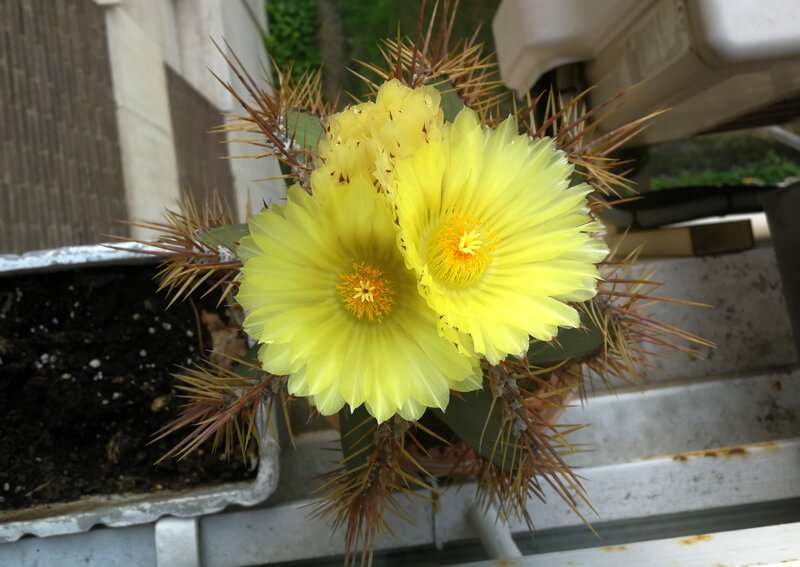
column 361, row 140
column 327, row 290
column 497, row 238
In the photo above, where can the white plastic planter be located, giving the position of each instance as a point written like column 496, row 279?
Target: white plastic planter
column 125, row 509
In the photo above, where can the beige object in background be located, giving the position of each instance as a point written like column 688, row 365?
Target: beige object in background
column 695, row 240
column 710, row 61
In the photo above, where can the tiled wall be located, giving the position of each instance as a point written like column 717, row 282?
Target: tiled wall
column 60, row 167
column 201, row 169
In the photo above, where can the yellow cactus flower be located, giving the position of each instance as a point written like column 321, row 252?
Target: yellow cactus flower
column 497, row 238
column 367, row 135
column 335, row 307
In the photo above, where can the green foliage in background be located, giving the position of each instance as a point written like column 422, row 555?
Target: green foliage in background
column 770, row 170
column 367, row 23
column 293, row 26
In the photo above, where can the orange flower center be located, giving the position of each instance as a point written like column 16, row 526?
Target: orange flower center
column 366, row 292
column 460, row 250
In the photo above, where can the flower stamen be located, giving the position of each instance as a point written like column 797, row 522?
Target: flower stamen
column 366, row 292
column 470, row 242
column 460, row 250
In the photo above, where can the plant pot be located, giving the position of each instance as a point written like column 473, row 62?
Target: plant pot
column 127, row 507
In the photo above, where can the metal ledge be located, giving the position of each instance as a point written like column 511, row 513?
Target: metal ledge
column 628, row 491
column 771, row 545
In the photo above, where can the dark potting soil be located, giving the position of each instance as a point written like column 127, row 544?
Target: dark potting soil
column 86, row 359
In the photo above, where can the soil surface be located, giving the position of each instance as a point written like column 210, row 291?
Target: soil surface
column 86, row 359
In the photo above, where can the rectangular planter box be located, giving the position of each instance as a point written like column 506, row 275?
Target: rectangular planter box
column 125, row 509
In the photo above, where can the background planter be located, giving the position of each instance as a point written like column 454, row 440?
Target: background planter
column 126, row 508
